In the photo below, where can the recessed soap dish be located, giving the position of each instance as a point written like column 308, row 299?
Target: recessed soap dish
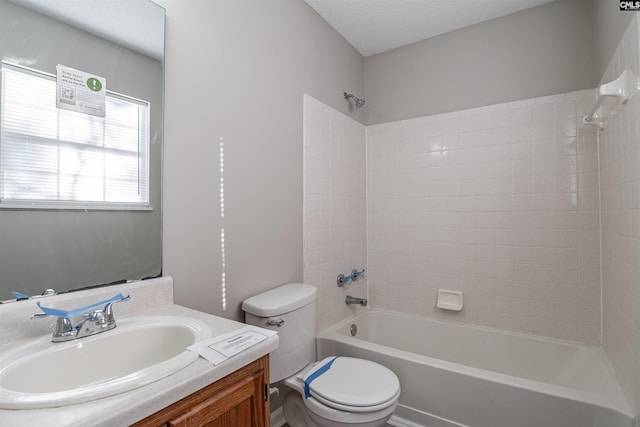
column 449, row 300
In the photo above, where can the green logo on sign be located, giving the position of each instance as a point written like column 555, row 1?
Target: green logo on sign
column 94, row 84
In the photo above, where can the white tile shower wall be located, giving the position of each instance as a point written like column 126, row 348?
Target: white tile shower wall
column 619, row 143
column 500, row 202
column 334, row 207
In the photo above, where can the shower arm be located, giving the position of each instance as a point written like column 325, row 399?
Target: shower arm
column 359, row 102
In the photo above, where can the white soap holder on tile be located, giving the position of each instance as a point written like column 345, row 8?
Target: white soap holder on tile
column 449, row 300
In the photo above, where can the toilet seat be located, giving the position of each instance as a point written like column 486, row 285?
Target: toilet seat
column 353, row 385
column 347, row 408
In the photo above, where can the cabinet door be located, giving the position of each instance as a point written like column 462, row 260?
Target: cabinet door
column 238, row 400
column 239, row 406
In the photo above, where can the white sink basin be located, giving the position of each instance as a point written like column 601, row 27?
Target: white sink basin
column 42, row 374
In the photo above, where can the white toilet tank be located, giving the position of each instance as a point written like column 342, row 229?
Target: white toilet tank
column 291, row 311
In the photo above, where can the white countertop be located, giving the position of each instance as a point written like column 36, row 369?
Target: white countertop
column 127, row 408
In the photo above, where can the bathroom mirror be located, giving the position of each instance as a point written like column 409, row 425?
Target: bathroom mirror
column 74, row 235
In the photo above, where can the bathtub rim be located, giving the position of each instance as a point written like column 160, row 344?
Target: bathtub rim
column 616, row 400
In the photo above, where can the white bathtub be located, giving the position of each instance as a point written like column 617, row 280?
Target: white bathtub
column 454, row 375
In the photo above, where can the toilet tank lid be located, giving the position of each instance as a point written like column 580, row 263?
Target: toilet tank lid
column 280, row 300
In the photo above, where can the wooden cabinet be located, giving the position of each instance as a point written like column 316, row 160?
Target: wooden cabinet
column 241, row 399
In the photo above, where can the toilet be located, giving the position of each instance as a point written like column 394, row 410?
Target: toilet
column 336, row 391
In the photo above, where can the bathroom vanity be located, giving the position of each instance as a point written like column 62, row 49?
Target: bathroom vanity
column 240, row 399
column 233, row 392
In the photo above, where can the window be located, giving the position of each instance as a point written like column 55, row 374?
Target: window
column 59, row 159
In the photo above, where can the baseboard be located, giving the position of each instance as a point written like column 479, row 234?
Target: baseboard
column 277, row 418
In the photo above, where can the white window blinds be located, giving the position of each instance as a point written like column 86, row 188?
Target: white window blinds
column 53, row 158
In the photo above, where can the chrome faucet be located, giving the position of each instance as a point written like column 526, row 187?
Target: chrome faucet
column 353, row 300
column 91, row 320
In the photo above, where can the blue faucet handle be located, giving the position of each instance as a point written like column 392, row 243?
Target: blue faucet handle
column 355, row 274
column 49, row 311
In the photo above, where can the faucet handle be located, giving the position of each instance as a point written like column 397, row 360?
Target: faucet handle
column 63, row 328
column 355, row 274
column 108, row 311
column 343, row 280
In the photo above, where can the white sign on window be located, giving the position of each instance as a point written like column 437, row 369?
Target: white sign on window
column 80, row 91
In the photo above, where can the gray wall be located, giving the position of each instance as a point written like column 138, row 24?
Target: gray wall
column 539, row 51
column 69, row 249
column 238, row 70
column 610, row 24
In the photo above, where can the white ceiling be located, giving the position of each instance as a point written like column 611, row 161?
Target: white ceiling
column 375, row 26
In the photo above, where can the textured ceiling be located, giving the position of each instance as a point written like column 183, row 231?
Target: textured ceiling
column 138, row 24
column 375, row 26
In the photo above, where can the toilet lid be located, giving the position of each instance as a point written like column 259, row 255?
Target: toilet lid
column 352, row 382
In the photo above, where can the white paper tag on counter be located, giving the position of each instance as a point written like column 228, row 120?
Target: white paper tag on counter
column 218, row 349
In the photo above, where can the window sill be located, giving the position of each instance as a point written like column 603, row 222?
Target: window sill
column 73, row 207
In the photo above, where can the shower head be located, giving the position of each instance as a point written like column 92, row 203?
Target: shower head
column 358, row 101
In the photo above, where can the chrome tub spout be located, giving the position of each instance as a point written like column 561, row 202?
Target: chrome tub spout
column 353, row 300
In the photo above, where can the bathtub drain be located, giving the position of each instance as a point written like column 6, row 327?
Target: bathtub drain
column 354, row 330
